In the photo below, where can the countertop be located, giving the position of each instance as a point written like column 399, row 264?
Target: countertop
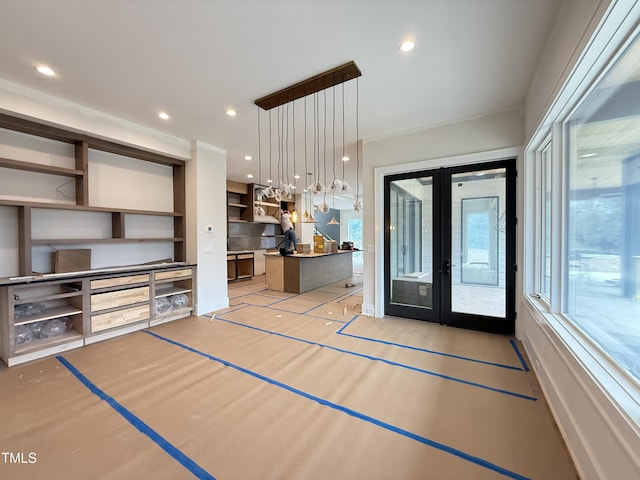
column 307, row 255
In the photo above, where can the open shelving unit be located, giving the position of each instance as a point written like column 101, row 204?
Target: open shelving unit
column 48, row 302
column 240, row 265
column 80, row 175
column 169, row 285
column 94, row 306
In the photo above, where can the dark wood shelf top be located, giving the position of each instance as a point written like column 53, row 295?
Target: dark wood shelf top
column 70, row 241
column 85, row 208
column 40, row 168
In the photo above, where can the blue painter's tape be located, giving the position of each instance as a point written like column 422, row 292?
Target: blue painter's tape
column 399, row 345
column 418, row 349
column 520, row 356
column 383, row 360
column 185, row 461
column 432, row 443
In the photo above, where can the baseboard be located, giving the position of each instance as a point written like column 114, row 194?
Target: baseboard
column 212, row 305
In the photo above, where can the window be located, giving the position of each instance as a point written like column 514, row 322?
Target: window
column 544, row 204
column 601, row 280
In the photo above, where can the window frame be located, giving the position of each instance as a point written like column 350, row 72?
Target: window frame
column 618, row 383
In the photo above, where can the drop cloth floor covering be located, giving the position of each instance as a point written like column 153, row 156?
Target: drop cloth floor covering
column 281, row 386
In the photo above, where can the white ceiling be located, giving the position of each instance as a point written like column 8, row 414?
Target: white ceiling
column 195, row 58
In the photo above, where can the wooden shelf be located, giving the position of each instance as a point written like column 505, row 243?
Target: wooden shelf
column 266, row 204
column 85, row 208
column 42, row 343
column 49, row 313
column 237, row 205
column 72, row 241
column 55, row 296
column 40, row 168
column 167, row 292
column 173, row 315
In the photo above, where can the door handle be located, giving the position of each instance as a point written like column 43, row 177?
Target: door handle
column 446, row 266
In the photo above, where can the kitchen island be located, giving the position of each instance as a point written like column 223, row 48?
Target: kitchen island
column 300, row 273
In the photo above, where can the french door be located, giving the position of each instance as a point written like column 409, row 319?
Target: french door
column 450, row 246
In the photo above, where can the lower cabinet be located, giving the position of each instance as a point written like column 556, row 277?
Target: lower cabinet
column 45, row 317
column 40, row 319
column 239, row 265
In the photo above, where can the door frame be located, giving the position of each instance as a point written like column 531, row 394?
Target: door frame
column 375, row 306
column 480, row 322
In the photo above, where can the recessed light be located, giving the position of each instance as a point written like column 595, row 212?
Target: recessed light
column 587, row 155
column 249, row 175
column 163, row 115
column 296, row 176
column 248, row 157
column 231, row 112
column 48, row 71
column 345, row 158
column 407, row 46
column 269, row 181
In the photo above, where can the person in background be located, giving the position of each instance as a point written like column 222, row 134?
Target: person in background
column 290, row 237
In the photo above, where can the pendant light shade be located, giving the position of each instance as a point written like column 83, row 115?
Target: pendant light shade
column 336, row 185
column 333, row 221
column 317, row 188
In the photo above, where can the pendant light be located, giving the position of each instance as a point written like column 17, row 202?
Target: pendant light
column 333, row 220
column 307, row 217
column 282, row 187
column 345, row 185
column 357, row 205
column 316, row 187
column 268, row 192
column 336, row 183
column 257, row 208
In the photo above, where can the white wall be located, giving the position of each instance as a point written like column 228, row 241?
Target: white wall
column 206, row 185
column 576, row 22
column 425, row 149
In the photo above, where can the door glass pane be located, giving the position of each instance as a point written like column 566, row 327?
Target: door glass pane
column 411, row 235
column 478, row 242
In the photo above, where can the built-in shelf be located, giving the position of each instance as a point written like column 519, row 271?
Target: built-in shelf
column 80, row 161
column 166, row 292
column 266, row 204
column 40, row 344
column 93, row 306
column 85, row 208
column 40, row 168
column 71, row 241
column 50, row 313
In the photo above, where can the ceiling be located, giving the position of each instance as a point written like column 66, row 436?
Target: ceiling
column 194, row 59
